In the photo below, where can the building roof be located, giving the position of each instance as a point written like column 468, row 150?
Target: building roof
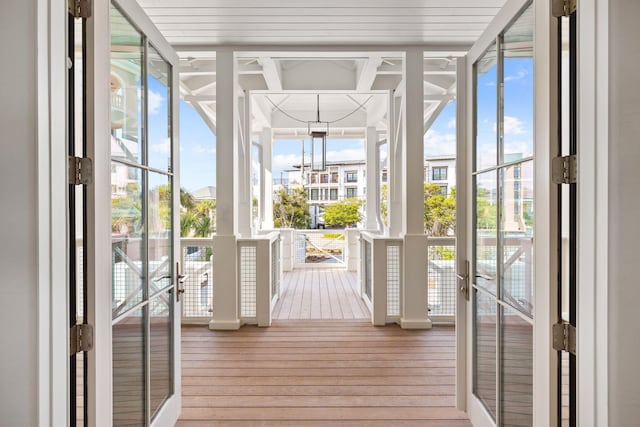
column 205, row 193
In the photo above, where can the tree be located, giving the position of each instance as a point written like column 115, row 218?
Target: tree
column 343, row 213
column 384, row 208
column 439, row 211
column 291, row 210
column 197, row 218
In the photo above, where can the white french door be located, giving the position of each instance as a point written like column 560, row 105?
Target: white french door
column 134, row 376
column 505, row 209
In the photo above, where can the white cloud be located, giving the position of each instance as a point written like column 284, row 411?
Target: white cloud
column 155, row 102
column 521, row 74
column 452, row 123
column 162, row 147
column 202, row 149
column 513, row 126
column 285, row 161
column 438, row 144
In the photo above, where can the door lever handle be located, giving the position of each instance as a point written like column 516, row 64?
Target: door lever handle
column 464, row 278
column 182, row 278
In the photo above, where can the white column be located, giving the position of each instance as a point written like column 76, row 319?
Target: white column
column 373, row 175
column 225, row 302
column 414, row 310
column 244, row 167
column 394, row 175
column 266, row 180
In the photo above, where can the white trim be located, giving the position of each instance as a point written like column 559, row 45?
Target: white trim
column 593, row 110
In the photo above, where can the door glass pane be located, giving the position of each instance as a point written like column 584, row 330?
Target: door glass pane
column 158, row 105
column 517, row 48
column 484, row 387
column 128, row 369
column 486, row 153
column 486, row 230
column 160, row 349
column 516, row 397
column 127, row 245
column 160, row 237
column 126, row 89
column 516, row 226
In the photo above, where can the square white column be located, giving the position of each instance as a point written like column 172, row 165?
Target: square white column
column 266, row 180
column 245, row 149
column 225, row 301
column 373, row 176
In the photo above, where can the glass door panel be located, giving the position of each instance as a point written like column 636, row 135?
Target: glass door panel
column 142, row 212
column 503, row 227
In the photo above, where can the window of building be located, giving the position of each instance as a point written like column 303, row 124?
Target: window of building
column 444, row 190
column 324, row 178
column 384, row 176
column 439, row 173
column 334, row 177
column 352, row 176
column 333, row 194
column 314, row 178
column 352, row 192
column 314, row 194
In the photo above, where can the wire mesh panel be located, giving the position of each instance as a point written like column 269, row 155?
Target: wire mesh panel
column 275, row 267
column 366, row 268
column 393, row 280
column 197, row 266
column 248, row 281
column 442, row 278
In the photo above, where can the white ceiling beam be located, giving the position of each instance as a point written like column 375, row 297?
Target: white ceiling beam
column 272, row 72
column 197, row 68
column 199, row 98
column 433, row 69
column 279, row 120
column 368, row 72
column 208, row 118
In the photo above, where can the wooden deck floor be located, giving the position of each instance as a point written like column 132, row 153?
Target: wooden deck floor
column 320, row 294
column 319, row 373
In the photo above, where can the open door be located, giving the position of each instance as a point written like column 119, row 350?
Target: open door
column 133, row 220
column 498, row 303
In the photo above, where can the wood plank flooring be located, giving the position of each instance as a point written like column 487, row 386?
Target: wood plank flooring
column 315, row 293
column 319, row 373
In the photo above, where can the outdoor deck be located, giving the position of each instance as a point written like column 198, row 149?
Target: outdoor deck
column 317, row 293
column 319, row 373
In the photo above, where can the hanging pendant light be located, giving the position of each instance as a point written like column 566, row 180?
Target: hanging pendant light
column 318, row 141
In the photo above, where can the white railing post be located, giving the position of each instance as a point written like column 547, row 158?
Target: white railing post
column 352, row 256
column 287, row 249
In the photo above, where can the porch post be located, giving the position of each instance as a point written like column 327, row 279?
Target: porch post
column 245, row 149
column 414, row 308
column 266, row 180
column 225, row 302
column 394, row 175
column 372, row 199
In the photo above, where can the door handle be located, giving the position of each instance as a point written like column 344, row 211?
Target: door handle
column 464, row 278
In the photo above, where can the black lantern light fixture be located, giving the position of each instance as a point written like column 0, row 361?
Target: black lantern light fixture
column 318, row 131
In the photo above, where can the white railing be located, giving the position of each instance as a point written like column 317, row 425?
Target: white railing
column 381, row 276
column 259, row 273
column 197, row 266
column 319, row 248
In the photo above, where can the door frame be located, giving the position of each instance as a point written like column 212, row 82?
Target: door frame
column 545, row 201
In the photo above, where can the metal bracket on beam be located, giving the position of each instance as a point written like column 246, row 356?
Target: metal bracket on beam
column 563, row 7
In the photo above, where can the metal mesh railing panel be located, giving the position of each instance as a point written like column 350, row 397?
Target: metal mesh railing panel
column 248, row 281
column 393, row 280
column 442, row 282
column 197, row 266
column 366, row 268
column 275, row 267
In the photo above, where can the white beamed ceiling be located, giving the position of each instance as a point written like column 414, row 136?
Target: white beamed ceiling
column 321, row 22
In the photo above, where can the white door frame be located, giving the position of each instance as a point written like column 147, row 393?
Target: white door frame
column 98, row 68
column 545, row 298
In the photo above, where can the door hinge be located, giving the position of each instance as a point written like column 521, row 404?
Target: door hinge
column 563, row 7
column 564, row 337
column 80, row 8
column 80, row 338
column 80, row 171
column 464, row 281
column 564, row 169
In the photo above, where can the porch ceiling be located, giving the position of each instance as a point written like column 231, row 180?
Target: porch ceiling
column 284, row 80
